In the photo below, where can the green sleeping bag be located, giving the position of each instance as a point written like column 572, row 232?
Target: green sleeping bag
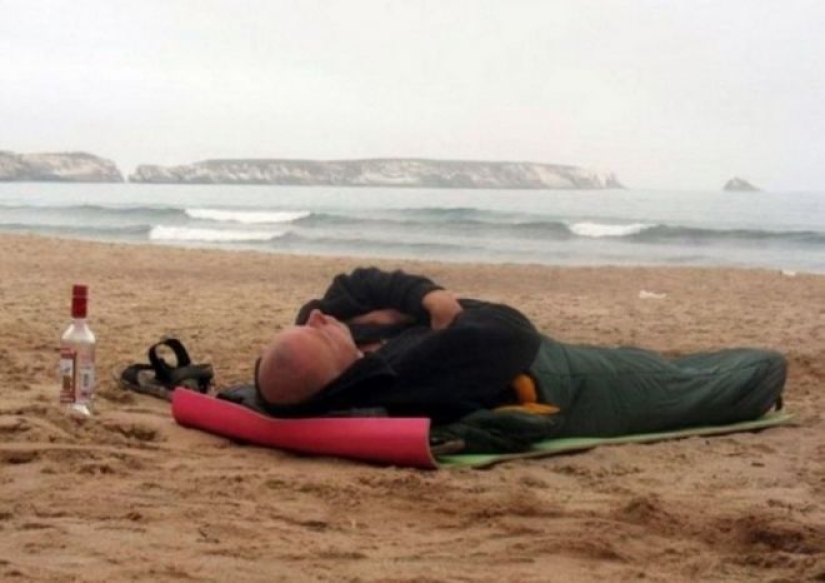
column 606, row 392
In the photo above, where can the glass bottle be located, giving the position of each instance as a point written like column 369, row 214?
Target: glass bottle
column 77, row 357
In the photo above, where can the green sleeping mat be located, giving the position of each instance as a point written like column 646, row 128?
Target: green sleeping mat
column 574, row 444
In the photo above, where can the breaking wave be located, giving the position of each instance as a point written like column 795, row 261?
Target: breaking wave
column 246, row 217
column 166, row 233
column 597, row 230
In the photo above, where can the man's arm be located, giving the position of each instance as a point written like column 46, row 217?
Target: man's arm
column 464, row 367
column 367, row 290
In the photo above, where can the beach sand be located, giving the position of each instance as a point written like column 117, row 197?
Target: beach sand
column 130, row 496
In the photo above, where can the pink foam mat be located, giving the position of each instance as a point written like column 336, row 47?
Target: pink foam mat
column 385, row 440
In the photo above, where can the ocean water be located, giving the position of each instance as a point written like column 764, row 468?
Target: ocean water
column 781, row 230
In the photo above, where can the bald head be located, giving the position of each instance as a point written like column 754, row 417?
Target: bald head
column 302, row 360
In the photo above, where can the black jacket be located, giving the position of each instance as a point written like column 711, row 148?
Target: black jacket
column 441, row 374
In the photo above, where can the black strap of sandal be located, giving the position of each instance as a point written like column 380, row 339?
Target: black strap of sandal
column 163, row 370
column 184, row 373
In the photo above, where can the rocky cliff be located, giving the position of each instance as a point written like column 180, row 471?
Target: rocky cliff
column 57, row 167
column 380, row 172
column 739, row 184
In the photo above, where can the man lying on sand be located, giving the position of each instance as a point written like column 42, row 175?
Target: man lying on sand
column 401, row 343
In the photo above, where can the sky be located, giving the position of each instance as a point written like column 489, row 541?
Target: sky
column 679, row 94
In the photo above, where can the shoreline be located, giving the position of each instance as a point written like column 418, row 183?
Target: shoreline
column 191, row 506
column 367, row 258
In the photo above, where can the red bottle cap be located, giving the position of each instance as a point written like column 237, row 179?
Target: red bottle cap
column 80, row 297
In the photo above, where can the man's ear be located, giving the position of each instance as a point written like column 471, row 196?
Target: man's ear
column 303, row 313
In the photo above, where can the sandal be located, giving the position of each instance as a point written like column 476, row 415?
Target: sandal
column 159, row 378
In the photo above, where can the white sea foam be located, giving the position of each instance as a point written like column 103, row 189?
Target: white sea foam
column 247, row 217
column 599, row 230
column 163, row 233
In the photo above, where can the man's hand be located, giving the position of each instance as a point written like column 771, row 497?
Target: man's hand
column 442, row 307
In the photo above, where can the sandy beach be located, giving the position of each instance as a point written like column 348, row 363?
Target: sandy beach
column 130, row 496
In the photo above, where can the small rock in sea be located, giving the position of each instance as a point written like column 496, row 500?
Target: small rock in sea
column 739, row 184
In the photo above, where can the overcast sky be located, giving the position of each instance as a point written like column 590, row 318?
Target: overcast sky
column 668, row 94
